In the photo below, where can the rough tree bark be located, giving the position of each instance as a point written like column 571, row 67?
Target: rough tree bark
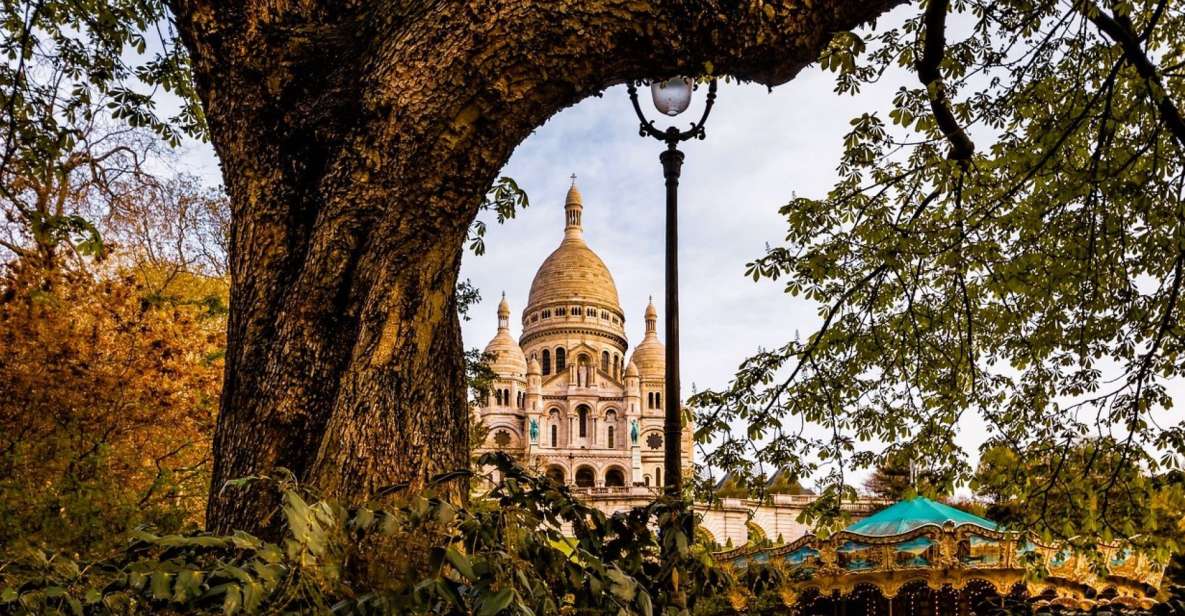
column 357, row 139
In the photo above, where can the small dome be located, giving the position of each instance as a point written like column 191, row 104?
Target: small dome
column 533, row 367
column 650, row 355
column 509, row 360
column 573, row 197
column 631, row 370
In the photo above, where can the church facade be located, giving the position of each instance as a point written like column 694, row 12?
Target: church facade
column 570, row 397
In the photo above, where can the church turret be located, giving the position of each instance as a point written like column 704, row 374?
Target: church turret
column 573, row 208
column 534, row 405
column 534, row 386
column 503, row 313
column 650, row 354
column 509, row 362
column 633, row 390
column 633, row 405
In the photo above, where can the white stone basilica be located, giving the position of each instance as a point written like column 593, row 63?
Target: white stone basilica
column 565, row 400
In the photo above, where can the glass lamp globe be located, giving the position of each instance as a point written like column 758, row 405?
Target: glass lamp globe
column 671, row 96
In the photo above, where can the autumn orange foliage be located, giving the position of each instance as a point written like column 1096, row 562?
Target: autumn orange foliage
column 108, row 397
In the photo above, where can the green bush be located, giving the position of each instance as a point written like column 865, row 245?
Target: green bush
column 507, row 553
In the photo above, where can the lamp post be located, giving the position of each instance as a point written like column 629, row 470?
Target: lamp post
column 671, row 97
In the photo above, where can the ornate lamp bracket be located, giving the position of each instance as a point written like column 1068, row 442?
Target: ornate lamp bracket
column 671, row 135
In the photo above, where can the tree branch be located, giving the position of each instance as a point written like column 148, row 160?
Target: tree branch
column 930, row 74
column 1120, row 30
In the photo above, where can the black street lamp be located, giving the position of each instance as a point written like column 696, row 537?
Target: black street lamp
column 671, row 97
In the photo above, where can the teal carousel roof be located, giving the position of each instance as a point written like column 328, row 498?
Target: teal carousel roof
column 906, row 515
column 922, row 542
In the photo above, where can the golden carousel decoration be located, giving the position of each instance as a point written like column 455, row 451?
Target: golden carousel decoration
column 920, row 557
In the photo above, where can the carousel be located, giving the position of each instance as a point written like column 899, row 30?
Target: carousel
column 921, row 557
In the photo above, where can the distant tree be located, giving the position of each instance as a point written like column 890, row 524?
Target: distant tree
column 732, row 486
column 80, row 128
column 1056, row 493
column 890, row 480
column 897, row 475
column 785, row 483
column 175, row 226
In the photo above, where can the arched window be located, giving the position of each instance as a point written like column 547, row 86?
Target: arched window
column 559, row 360
column 546, row 361
column 657, row 400
column 614, row 478
column 611, row 443
column 650, row 400
column 658, row 475
column 582, row 412
column 585, row 477
column 498, row 397
column 506, row 397
column 555, row 435
column 605, row 362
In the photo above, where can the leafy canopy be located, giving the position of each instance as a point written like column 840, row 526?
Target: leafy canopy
column 1029, row 277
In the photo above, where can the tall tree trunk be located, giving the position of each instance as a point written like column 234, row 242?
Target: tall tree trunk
column 357, row 139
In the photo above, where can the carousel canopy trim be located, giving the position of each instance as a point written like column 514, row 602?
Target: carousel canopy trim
column 907, row 515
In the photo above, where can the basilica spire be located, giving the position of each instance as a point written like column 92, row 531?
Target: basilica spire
column 572, row 210
column 503, row 313
column 651, row 318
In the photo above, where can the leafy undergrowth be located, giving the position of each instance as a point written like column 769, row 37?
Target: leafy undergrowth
column 500, row 555
column 527, row 547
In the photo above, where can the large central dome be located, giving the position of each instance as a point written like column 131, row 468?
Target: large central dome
column 573, row 272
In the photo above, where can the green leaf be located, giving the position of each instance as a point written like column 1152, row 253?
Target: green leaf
column 161, row 584
column 233, row 601
column 460, row 562
column 493, row 604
